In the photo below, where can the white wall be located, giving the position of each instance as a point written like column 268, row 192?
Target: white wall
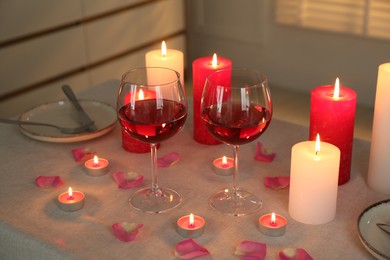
column 71, row 54
column 294, row 58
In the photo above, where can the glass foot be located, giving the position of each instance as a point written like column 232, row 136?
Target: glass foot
column 235, row 202
column 162, row 200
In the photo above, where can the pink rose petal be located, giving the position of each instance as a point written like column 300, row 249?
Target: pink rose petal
column 168, row 159
column 82, row 154
column 128, row 180
column 277, row 183
column 49, row 181
column 251, row 250
column 262, row 154
column 126, row 231
column 189, row 248
column 294, row 254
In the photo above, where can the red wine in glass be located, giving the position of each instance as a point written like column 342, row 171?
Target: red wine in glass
column 236, row 108
column 239, row 126
column 149, row 124
column 152, row 107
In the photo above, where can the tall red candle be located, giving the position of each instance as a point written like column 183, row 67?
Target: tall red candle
column 333, row 118
column 201, row 68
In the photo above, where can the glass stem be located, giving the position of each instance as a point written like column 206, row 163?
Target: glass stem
column 153, row 154
column 235, row 170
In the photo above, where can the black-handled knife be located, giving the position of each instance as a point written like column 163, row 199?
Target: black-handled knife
column 84, row 118
column 384, row 227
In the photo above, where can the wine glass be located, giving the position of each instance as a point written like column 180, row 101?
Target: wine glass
column 236, row 108
column 152, row 107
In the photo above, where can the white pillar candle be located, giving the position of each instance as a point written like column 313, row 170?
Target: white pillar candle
column 314, row 182
column 166, row 58
column 379, row 164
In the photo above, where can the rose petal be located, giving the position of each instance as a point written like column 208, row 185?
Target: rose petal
column 251, row 250
column 277, row 183
column 189, row 248
column 49, row 181
column 294, row 254
column 82, row 154
column 126, row 231
column 128, row 180
column 262, row 153
column 168, row 159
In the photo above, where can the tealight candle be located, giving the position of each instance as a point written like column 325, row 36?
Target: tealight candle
column 223, row 166
column 272, row 225
column 190, row 226
column 96, row 166
column 71, row 200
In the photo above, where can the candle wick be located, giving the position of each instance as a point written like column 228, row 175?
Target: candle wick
column 70, row 198
column 316, row 152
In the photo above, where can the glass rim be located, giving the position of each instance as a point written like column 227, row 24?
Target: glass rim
column 263, row 78
column 151, row 85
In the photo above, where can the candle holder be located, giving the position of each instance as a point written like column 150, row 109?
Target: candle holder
column 223, row 166
column 272, row 225
column 71, row 200
column 190, row 226
column 96, row 167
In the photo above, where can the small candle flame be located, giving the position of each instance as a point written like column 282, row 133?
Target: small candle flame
column 191, row 221
column 70, row 193
column 273, row 218
column 95, row 161
column 336, row 93
column 224, row 161
column 214, row 62
column 163, row 49
column 318, row 144
column 141, row 95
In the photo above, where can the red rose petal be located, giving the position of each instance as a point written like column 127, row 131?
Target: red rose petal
column 262, row 154
column 126, row 231
column 49, row 181
column 168, row 159
column 251, row 250
column 189, row 248
column 294, row 254
column 277, row 183
column 128, row 180
column 82, row 154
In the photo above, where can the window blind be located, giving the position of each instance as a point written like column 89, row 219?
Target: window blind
column 360, row 17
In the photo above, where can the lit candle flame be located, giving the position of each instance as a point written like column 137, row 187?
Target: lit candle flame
column 273, row 218
column 163, row 49
column 224, row 161
column 318, row 144
column 70, row 192
column 140, row 95
column 336, row 93
column 191, row 219
column 95, row 160
column 214, row 62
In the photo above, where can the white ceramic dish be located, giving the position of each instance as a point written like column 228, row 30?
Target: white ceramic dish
column 62, row 113
column 375, row 240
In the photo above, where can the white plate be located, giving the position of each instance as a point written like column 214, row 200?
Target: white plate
column 376, row 241
column 62, row 113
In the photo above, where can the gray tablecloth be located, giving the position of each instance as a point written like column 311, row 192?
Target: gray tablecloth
column 33, row 227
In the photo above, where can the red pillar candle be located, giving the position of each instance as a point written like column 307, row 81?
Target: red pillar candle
column 201, row 68
column 332, row 115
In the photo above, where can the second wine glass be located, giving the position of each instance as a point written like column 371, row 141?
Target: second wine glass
column 236, row 109
column 152, row 107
